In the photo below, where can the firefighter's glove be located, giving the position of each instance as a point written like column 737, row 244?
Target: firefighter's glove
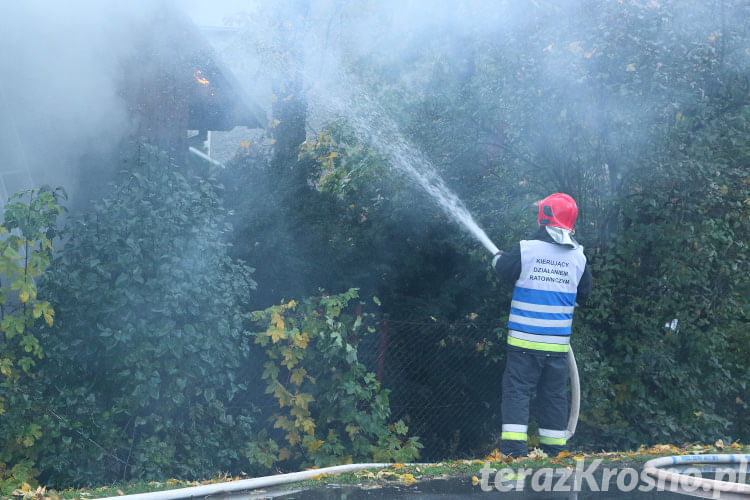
column 497, row 257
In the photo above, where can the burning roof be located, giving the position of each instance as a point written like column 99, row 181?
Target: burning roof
column 180, row 84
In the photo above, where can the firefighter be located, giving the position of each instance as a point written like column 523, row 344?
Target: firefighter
column 551, row 277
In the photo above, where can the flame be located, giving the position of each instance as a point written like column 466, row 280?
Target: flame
column 199, row 77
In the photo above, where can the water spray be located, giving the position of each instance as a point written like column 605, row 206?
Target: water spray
column 344, row 96
column 372, row 124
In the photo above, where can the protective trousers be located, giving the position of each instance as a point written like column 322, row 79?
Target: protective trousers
column 525, row 371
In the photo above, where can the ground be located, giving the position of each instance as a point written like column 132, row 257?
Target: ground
column 406, row 474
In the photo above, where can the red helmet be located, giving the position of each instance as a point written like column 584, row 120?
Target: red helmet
column 558, row 210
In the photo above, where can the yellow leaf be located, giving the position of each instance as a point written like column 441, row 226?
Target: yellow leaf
column 23, row 296
column 173, row 481
column 663, row 448
column 630, row 67
column 308, row 426
column 314, row 444
column 273, row 141
column 288, row 355
column 245, row 144
column 277, row 335
column 277, row 320
column 298, row 376
column 302, row 400
column 275, row 123
column 293, row 437
column 474, row 480
column 301, row 340
column 407, row 478
column 397, row 466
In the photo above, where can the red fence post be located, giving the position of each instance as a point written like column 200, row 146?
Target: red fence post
column 382, row 348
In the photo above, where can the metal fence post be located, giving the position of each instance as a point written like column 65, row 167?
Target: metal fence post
column 382, row 348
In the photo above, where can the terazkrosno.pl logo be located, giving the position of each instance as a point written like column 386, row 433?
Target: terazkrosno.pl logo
column 594, row 477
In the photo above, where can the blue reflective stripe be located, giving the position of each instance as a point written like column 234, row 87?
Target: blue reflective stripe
column 541, row 330
column 544, row 297
column 539, row 315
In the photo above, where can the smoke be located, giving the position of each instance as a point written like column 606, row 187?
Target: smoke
column 61, row 63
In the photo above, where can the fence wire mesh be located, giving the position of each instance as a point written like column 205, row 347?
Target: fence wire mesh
column 444, row 380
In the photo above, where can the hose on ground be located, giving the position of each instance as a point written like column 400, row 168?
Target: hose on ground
column 246, row 484
column 692, row 483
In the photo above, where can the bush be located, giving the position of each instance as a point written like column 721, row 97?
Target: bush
column 28, row 226
column 29, row 223
column 145, row 361
column 665, row 339
column 330, row 408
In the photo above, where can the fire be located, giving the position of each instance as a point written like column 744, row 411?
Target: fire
column 200, row 78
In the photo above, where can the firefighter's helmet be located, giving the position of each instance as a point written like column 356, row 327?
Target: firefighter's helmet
column 558, row 210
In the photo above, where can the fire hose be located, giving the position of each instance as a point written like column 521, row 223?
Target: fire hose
column 691, row 484
column 575, row 393
column 246, row 484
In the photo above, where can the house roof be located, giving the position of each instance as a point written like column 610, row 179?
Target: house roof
column 216, row 100
column 176, row 62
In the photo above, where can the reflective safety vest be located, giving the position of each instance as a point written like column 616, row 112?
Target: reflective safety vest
column 541, row 313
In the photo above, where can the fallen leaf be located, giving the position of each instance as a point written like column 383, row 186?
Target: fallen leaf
column 407, row 479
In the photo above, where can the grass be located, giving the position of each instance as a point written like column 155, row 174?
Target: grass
column 403, row 474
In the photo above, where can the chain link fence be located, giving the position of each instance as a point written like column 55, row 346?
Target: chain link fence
column 444, row 381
